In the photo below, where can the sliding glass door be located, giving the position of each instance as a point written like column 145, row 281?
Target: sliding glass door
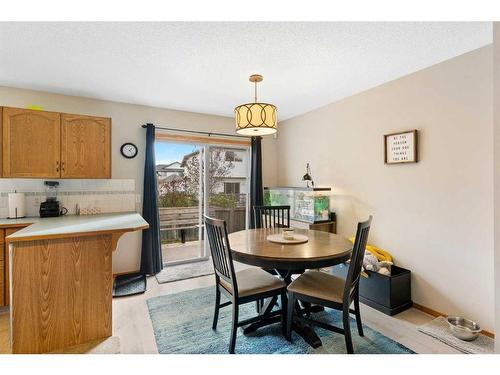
column 179, row 170
column 227, row 186
column 193, row 180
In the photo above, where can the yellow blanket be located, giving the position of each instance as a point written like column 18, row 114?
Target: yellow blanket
column 381, row 254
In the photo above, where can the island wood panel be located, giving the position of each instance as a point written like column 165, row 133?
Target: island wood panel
column 5, row 233
column 2, row 283
column 85, row 146
column 62, row 292
column 2, row 268
column 31, row 143
column 2, row 242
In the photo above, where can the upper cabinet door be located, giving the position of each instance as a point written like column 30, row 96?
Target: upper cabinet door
column 85, row 146
column 31, row 143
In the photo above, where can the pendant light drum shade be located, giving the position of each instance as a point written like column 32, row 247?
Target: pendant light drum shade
column 255, row 119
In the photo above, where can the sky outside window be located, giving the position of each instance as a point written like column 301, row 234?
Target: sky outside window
column 167, row 152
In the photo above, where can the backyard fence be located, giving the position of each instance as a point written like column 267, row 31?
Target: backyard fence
column 181, row 224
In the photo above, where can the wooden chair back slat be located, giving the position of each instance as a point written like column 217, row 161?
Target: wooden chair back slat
column 271, row 216
column 356, row 263
column 220, row 250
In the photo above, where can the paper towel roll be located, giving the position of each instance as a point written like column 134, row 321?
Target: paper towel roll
column 17, row 205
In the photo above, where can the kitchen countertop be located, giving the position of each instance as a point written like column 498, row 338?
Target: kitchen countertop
column 72, row 225
column 9, row 223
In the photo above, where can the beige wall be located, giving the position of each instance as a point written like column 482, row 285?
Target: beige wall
column 436, row 216
column 127, row 120
column 496, row 127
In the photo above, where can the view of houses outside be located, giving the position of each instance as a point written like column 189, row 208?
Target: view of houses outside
column 179, row 192
column 179, row 181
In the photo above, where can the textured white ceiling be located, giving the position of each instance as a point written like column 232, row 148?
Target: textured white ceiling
column 204, row 67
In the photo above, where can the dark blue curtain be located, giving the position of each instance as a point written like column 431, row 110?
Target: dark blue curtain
column 256, row 190
column 151, row 259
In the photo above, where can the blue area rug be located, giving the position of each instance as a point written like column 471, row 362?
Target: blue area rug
column 182, row 324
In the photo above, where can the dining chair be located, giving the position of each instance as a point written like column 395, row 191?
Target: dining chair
column 271, row 216
column 248, row 285
column 327, row 290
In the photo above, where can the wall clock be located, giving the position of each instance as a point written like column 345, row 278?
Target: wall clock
column 129, row 150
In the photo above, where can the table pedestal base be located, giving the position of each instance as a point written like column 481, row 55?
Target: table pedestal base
column 303, row 330
column 261, row 323
column 307, row 333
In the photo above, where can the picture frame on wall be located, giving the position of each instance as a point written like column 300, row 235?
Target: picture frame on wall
column 401, row 147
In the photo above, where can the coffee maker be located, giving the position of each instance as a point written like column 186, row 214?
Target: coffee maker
column 51, row 206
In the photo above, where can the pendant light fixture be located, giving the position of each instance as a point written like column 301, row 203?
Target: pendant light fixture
column 256, row 119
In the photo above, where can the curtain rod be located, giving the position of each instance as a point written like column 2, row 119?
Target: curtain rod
column 198, row 132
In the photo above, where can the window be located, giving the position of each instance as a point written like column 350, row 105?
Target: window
column 232, row 156
column 231, row 187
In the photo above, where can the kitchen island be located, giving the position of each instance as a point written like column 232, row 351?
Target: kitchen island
column 61, row 279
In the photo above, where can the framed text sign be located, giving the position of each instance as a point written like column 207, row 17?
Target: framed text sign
column 401, row 147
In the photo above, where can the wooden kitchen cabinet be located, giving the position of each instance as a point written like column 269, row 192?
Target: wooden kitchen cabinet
column 31, row 143
column 40, row 144
column 85, row 146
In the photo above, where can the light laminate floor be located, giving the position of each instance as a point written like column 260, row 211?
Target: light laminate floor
column 131, row 322
column 133, row 326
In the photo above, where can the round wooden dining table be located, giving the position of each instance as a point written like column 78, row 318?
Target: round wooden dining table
column 322, row 249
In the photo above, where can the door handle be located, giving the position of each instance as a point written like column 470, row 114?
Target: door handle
column 57, row 166
column 62, row 167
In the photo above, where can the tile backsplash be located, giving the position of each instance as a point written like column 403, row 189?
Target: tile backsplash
column 115, row 195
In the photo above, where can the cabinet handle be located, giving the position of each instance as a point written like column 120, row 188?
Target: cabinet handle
column 62, row 167
column 57, row 166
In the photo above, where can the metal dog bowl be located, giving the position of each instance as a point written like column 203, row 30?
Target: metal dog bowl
column 463, row 328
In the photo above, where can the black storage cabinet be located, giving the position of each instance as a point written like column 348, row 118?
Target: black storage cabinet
column 388, row 294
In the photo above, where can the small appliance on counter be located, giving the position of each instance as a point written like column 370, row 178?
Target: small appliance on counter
column 17, row 205
column 51, row 206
